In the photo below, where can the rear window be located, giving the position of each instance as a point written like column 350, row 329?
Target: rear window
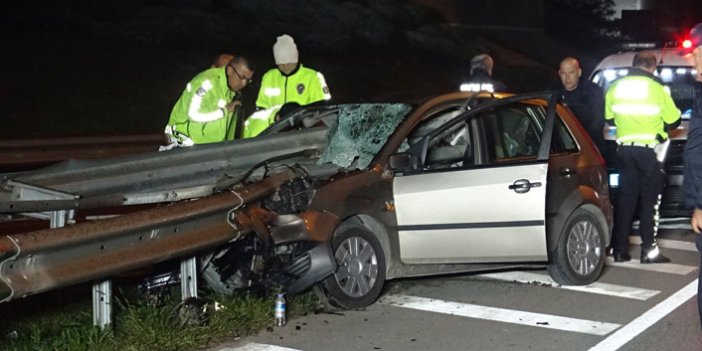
column 679, row 79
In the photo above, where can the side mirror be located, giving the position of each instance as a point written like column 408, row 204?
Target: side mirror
column 400, row 162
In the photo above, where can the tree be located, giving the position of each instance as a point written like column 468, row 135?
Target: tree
column 577, row 22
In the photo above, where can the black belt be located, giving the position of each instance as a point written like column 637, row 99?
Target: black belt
column 650, row 146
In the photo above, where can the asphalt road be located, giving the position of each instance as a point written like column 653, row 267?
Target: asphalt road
column 631, row 307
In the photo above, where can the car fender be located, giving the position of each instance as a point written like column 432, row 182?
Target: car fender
column 582, row 198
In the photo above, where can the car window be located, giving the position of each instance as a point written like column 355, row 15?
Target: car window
column 563, row 140
column 511, row 132
column 431, row 123
column 449, row 148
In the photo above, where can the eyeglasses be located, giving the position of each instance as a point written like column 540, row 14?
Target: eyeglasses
column 247, row 80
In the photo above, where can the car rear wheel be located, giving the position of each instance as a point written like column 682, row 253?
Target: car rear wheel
column 580, row 255
column 360, row 273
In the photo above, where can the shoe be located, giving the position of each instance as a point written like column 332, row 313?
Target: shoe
column 621, row 257
column 655, row 259
column 653, row 255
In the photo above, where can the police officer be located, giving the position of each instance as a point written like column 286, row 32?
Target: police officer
column 643, row 111
column 204, row 113
column 481, row 76
column 692, row 178
column 289, row 82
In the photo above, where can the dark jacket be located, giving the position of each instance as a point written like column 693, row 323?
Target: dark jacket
column 692, row 176
column 587, row 103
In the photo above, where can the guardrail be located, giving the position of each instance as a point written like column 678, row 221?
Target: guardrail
column 152, row 177
column 42, row 260
column 24, row 154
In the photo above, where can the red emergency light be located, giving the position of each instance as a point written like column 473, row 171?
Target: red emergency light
column 686, row 44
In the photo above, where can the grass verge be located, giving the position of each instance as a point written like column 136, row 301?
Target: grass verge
column 140, row 324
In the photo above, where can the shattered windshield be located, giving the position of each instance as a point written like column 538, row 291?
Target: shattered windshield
column 360, row 131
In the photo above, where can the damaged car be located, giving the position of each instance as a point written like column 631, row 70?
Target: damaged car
column 459, row 183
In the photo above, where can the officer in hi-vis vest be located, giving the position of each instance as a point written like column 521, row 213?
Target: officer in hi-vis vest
column 289, row 82
column 643, row 111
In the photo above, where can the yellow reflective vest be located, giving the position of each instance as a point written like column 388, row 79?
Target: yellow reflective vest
column 640, row 107
column 259, row 120
column 304, row 86
column 200, row 115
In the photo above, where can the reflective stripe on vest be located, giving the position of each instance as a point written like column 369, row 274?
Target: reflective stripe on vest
column 194, row 109
column 649, row 138
column 476, row 87
column 271, row 91
column 632, row 97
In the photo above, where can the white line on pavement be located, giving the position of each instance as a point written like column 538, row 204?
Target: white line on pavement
column 667, row 243
column 671, row 268
column 500, row 314
column 258, row 347
column 649, row 318
column 594, row 288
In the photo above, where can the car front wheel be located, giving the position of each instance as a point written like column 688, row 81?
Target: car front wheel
column 580, row 255
column 360, row 275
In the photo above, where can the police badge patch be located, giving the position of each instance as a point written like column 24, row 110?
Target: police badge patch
column 300, row 88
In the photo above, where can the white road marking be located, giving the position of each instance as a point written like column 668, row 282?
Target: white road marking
column 667, row 243
column 626, row 292
column 258, row 347
column 649, row 318
column 500, row 314
column 671, row 268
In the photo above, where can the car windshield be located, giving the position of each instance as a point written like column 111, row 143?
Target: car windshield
column 679, row 79
column 359, row 131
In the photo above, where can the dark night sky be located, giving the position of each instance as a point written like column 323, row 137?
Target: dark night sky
column 81, row 67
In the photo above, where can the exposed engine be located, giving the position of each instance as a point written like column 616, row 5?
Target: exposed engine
column 257, row 260
column 292, row 197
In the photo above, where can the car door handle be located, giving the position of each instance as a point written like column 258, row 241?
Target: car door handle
column 521, row 186
column 566, row 172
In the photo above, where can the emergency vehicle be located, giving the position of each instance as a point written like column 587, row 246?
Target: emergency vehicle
column 676, row 70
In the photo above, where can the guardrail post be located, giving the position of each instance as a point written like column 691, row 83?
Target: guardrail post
column 102, row 291
column 57, row 219
column 102, row 304
column 188, row 278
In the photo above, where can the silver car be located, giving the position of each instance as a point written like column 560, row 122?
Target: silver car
column 459, row 183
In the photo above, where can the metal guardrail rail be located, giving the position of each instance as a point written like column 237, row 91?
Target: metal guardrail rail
column 153, row 177
column 25, row 154
column 42, row 260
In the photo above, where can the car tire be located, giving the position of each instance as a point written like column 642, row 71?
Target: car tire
column 580, row 255
column 360, row 274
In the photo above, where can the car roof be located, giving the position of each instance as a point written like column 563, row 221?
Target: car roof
column 670, row 57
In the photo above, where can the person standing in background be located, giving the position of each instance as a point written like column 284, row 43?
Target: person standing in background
column 481, row 76
column 692, row 177
column 643, row 112
column 584, row 98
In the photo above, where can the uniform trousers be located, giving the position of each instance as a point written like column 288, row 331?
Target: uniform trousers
column 641, row 180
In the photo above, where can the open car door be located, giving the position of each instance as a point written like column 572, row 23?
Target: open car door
column 477, row 191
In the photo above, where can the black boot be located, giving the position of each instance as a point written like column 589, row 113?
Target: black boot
column 621, row 257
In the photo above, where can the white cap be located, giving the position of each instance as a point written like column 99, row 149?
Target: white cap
column 285, row 50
